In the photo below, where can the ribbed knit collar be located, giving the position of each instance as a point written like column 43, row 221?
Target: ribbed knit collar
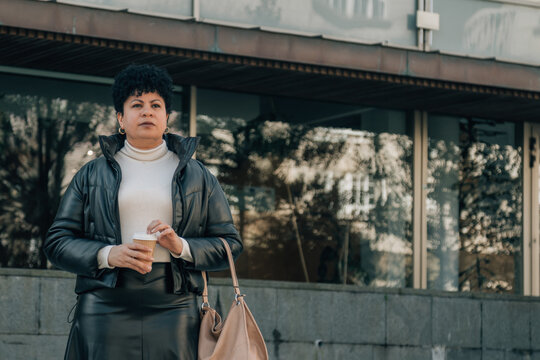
column 181, row 146
column 144, row 155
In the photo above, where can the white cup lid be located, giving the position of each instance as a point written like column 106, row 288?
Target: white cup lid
column 144, row 236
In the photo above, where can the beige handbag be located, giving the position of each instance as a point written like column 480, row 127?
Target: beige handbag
column 236, row 338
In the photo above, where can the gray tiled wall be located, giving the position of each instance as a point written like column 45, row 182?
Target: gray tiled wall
column 345, row 322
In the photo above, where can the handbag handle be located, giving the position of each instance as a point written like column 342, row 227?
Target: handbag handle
column 236, row 287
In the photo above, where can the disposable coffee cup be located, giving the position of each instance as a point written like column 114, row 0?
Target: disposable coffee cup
column 148, row 240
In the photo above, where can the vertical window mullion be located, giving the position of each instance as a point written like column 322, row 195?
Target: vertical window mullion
column 423, row 218
column 419, row 201
column 535, row 221
column 193, row 113
column 531, row 246
column 527, row 211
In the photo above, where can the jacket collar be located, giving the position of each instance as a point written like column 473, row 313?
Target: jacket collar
column 183, row 147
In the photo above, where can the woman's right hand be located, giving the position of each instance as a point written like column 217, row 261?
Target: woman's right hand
column 132, row 256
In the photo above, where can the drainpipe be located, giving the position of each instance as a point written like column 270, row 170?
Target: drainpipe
column 196, row 8
column 426, row 22
column 420, row 35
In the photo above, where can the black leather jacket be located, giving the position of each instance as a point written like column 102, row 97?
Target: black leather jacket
column 88, row 219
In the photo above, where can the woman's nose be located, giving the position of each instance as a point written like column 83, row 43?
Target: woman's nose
column 147, row 110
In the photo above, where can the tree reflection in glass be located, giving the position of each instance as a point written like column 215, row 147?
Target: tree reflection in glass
column 320, row 192
column 474, row 205
column 38, row 136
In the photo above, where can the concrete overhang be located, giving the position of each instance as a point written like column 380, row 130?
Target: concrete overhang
column 100, row 41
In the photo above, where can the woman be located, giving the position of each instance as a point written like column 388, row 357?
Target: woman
column 147, row 181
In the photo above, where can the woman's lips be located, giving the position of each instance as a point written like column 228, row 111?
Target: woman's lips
column 146, row 124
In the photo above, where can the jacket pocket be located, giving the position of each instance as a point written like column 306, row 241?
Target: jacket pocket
column 194, row 281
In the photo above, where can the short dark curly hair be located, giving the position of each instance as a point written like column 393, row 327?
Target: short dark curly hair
column 139, row 79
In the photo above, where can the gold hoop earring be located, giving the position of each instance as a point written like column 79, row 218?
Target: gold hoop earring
column 166, row 130
column 122, row 131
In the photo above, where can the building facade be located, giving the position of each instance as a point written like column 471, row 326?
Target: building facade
column 373, row 143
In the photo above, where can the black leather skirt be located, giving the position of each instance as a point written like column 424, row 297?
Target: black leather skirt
column 139, row 319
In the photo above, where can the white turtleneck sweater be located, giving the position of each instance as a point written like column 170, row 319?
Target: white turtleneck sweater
column 145, row 195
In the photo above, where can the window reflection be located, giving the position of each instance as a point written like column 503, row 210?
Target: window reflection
column 371, row 20
column 492, row 29
column 173, row 7
column 325, row 182
column 48, row 130
column 474, row 205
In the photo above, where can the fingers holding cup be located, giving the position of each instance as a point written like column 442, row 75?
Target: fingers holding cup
column 167, row 237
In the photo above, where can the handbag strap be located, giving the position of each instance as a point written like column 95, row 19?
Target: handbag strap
column 236, row 287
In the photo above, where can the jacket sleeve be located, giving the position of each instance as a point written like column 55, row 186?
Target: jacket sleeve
column 208, row 251
column 65, row 245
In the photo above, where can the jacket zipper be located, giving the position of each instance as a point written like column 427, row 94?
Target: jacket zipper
column 174, row 181
column 176, row 184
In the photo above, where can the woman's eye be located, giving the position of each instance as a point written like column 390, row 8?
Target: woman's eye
column 157, row 106
column 136, row 105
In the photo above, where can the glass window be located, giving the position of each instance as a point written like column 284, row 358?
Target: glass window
column 48, row 130
column 386, row 21
column 319, row 191
column 173, row 7
column 474, row 205
column 490, row 29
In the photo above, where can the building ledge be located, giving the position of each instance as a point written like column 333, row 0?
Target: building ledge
column 272, row 284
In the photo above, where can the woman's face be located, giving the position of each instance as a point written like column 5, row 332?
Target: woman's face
column 144, row 120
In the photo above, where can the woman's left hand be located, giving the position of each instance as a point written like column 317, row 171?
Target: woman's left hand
column 167, row 237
